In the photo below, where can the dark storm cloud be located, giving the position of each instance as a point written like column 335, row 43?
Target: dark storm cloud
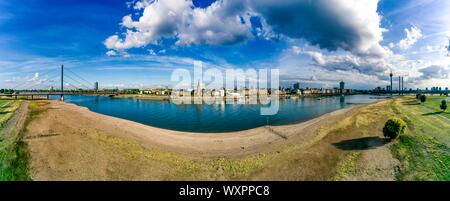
column 350, row 25
column 435, row 72
column 349, row 63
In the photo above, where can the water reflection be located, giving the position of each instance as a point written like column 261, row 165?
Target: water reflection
column 218, row 117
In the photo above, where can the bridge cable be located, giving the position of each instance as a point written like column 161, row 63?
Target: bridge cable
column 47, row 72
column 40, row 83
column 71, row 78
column 75, row 87
column 89, row 83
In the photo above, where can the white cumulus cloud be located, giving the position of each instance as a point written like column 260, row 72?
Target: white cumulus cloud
column 111, row 53
column 223, row 22
column 351, row 25
column 413, row 34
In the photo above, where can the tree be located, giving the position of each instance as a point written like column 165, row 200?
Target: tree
column 418, row 96
column 423, row 98
column 443, row 105
column 394, row 127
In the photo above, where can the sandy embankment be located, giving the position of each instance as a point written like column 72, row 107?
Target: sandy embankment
column 67, row 142
column 64, row 119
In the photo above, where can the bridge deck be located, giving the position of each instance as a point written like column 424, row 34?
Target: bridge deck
column 34, row 96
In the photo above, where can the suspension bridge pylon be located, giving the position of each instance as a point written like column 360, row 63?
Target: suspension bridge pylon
column 62, row 83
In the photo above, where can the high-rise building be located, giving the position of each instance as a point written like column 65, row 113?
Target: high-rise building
column 297, row 86
column 342, row 86
column 199, row 89
column 96, row 86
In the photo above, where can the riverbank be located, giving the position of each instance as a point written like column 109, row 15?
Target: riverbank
column 197, row 145
column 67, row 142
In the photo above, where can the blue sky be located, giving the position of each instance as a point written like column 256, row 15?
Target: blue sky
column 137, row 44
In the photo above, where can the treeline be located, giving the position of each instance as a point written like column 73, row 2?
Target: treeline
column 6, row 91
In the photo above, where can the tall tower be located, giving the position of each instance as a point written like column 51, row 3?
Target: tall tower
column 403, row 86
column 62, row 83
column 399, row 85
column 391, row 82
column 341, row 87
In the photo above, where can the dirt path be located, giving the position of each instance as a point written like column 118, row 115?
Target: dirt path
column 373, row 164
column 371, row 158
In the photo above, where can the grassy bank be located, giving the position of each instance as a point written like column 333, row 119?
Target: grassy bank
column 6, row 108
column 424, row 152
column 13, row 153
column 432, row 105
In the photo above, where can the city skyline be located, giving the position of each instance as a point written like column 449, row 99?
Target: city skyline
column 125, row 44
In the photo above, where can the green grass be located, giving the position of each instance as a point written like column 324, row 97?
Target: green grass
column 4, row 111
column 433, row 104
column 13, row 154
column 3, row 102
column 7, row 108
column 13, row 161
column 424, row 153
column 422, row 158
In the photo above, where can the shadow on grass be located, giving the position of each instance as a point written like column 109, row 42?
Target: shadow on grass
column 365, row 143
column 432, row 113
column 2, row 113
column 410, row 103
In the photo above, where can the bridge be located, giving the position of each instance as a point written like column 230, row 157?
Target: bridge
column 70, row 83
column 46, row 95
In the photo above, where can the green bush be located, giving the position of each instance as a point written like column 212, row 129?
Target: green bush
column 418, row 96
column 394, row 127
column 443, row 105
column 423, row 98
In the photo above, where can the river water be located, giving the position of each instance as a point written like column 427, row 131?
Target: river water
column 216, row 117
